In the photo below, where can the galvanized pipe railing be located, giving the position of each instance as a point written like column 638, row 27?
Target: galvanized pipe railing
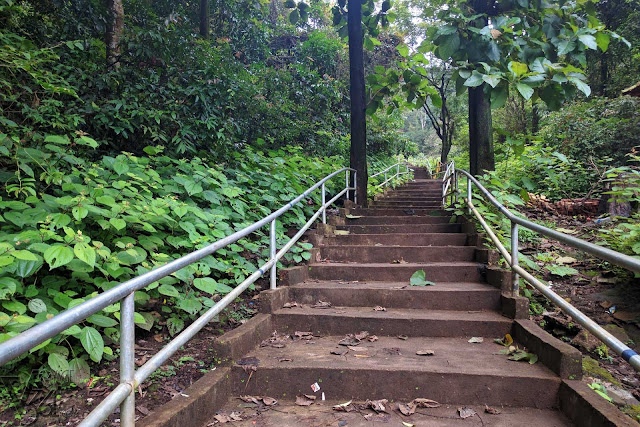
column 617, row 258
column 397, row 173
column 130, row 378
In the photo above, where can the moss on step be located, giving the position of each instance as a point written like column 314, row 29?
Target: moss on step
column 632, row 410
column 591, row 368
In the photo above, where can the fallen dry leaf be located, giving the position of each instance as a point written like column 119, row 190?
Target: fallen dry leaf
column 381, row 418
column 284, row 359
column 305, row 400
column 490, row 410
column 377, row 405
column 344, row 407
column 268, row 401
column 349, row 340
column 422, row 402
column 303, row 335
column 466, row 412
column 393, row 351
column 476, row 340
column 322, row 304
column 406, row 409
column 340, row 351
column 566, row 260
column 425, row 352
column 379, row 308
column 372, row 338
column 403, row 337
column 361, row 335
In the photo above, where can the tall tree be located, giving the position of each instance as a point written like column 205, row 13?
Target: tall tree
column 115, row 27
column 204, row 19
column 441, row 118
column 358, row 151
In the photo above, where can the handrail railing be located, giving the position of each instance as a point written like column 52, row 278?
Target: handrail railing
column 130, row 378
column 617, row 258
column 396, row 175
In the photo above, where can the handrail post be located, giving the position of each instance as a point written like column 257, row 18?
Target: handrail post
column 385, row 177
column 346, row 184
column 324, row 208
column 398, row 171
column 469, row 195
column 127, row 359
column 272, row 253
column 514, row 257
column 455, row 187
column 355, row 187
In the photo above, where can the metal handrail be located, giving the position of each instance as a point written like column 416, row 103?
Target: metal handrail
column 130, row 378
column 617, row 258
column 396, row 175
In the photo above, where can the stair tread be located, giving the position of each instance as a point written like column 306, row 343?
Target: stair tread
column 417, row 265
column 451, row 356
column 397, row 286
column 320, row 413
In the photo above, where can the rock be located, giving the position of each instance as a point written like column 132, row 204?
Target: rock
column 620, row 396
column 592, row 368
column 617, row 332
column 631, row 382
column 586, row 340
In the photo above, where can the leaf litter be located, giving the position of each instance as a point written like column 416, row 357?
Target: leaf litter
column 410, row 408
column 322, row 304
column 305, row 400
column 465, row 412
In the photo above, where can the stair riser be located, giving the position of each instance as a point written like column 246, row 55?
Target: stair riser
column 393, row 220
column 397, row 212
column 408, row 205
column 399, row 298
column 396, row 273
column 435, row 239
column 372, row 254
column 397, row 198
column 363, row 384
column 376, row 325
column 410, row 228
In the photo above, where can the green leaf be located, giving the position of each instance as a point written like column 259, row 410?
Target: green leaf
column 59, row 364
column 419, row 279
column 210, row 286
column 168, row 290
column 474, row 80
column 589, row 41
column 582, row 86
column 56, row 139
column 79, row 212
column 294, row 16
column 102, row 321
column 525, row 90
column 58, row 255
column 36, row 305
column 289, row 4
column 561, row 270
column 403, row 50
column 92, row 342
column 24, row 255
column 491, row 79
column 79, row 371
column 175, row 325
column 85, row 253
column 118, row 223
column 193, row 187
column 602, row 40
column 518, row 68
column 448, row 45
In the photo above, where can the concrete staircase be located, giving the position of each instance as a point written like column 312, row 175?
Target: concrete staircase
column 364, row 275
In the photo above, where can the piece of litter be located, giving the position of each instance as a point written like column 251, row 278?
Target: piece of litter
column 305, row 400
column 476, row 340
column 323, row 395
column 425, row 352
column 379, row 308
column 184, row 395
column 290, row 305
column 466, row 412
column 315, row 387
column 403, row 337
column 490, row 410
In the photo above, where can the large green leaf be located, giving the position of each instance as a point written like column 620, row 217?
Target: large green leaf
column 58, row 255
column 92, row 342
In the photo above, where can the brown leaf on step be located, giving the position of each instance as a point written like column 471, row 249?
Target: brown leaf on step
column 606, row 304
column 380, row 418
column 143, row 410
column 466, row 412
column 321, row 304
column 362, row 335
column 379, row 308
column 290, row 305
column 372, row 338
column 476, row 340
column 406, row 409
column 344, row 407
column 284, row 359
column 340, row 351
column 269, row 401
column 626, row 316
column 399, row 261
column 305, row 400
column 422, row 402
column 248, row 361
column 403, row 337
column 357, row 348
column 249, row 368
column 377, row 405
column 490, row 410
column 349, row 340
column 393, row 351
column 276, row 341
column 425, row 352
column 303, row 335
column 158, row 338
column 221, row 418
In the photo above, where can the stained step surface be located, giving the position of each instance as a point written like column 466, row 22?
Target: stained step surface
column 437, row 272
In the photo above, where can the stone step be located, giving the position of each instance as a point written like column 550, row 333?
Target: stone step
column 458, row 372
column 396, row 220
column 435, row 271
column 339, row 320
column 398, row 212
column 402, row 198
column 406, row 205
column 321, row 413
column 403, row 228
column 390, row 254
column 398, row 239
column 460, row 296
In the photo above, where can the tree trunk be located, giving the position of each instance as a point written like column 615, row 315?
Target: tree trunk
column 604, row 73
column 115, row 27
column 358, row 158
column 535, row 119
column 446, row 146
column 480, row 132
column 204, row 19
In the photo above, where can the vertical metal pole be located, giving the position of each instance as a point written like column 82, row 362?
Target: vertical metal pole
column 514, row 257
column 398, row 171
column 385, row 177
column 355, row 186
column 272, row 255
column 469, row 195
column 346, row 180
column 455, row 182
column 127, row 359
column 324, row 208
